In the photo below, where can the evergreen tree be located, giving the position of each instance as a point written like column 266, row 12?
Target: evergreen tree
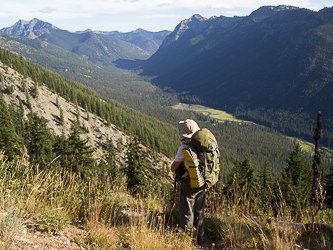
column 77, row 114
column 38, row 140
column 296, row 180
column 61, row 116
column 20, row 120
column 242, row 179
column 119, row 144
column 27, row 100
column 61, row 149
column 88, row 117
column 329, row 187
column 265, row 185
column 23, row 86
column 8, row 138
column 110, row 166
column 35, row 90
column 80, row 153
column 244, row 174
column 137, row 172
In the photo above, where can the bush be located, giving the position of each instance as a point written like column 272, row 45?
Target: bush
column 10, row 89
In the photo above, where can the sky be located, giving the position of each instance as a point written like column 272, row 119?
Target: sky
column 129, row 15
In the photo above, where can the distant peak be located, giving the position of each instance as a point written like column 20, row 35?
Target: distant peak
column 266, row 11
column 198, row 17
column 34, row 21
column 21, row 21
column 277, row 8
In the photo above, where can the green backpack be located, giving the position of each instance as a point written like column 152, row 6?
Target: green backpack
column 205, row 161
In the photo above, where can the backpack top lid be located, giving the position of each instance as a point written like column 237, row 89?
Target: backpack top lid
column 204, row 140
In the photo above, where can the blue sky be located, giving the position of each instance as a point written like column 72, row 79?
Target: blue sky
column 129, row 15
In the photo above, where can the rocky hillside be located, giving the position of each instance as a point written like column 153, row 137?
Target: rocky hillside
column 47, row 104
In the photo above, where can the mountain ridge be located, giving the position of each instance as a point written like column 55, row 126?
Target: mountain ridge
column 275, row 60
column 143, row 43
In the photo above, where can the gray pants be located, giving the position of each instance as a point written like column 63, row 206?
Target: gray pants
column 191, row 208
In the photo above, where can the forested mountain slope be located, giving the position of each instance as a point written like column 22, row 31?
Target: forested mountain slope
column 236, row 141
column 120, row 85
column 147, row 129
column 273, row 66
column 146, row 40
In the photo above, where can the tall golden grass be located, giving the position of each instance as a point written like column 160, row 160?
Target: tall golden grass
column 115, row 219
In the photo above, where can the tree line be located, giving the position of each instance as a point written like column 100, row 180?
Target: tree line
column 159, row 136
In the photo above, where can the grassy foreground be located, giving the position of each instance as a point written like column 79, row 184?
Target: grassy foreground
column 114, row 219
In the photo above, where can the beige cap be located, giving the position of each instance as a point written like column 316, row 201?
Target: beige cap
column 188, row 128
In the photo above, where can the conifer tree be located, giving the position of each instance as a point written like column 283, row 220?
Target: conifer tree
column 23, row 85
column 296, row 180
column 110, row 166
column 35, row 90
column 137, row 171
column 20, row 119
column 329, row 187
column 77, row 114
column 38, row 140
column 27, row 100
column 61, row 149
column 8, row 138
column 62, row 117
column 245, row 175
column 243, row 179
column 80, row 153
column 265, row 185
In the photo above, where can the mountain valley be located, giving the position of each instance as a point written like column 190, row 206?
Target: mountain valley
column 88, row 132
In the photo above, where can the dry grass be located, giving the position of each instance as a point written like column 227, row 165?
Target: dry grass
column 114, row 219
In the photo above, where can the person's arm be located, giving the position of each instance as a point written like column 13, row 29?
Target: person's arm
column 175, row 165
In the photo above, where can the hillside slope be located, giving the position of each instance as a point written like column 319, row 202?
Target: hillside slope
column 45, row 105
column 120, row 85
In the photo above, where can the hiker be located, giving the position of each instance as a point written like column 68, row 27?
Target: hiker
column 191, row 200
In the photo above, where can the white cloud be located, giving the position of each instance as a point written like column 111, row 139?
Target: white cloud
column 133, row 13
column 48, row 10
column 162, row 16
column 164, row 5
column 231, row 13
column 220, row 6
column 21, row 7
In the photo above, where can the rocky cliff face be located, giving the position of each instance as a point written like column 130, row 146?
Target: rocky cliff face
column 32, row 29
column 198, row 25
column 45, row 106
